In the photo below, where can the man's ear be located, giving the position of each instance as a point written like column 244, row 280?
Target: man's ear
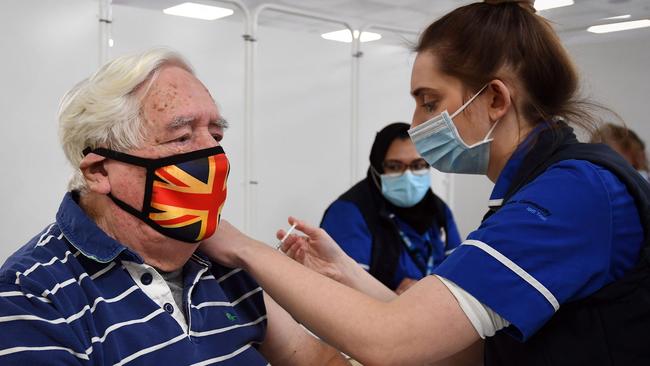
column 92, row 168
column 500, row 99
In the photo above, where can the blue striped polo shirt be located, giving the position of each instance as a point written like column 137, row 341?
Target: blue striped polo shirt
column 73, row 295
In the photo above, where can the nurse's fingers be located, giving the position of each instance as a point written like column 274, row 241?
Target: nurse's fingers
column 291, row 251
column 280, row 234
column 309, row 230
column 290, row 241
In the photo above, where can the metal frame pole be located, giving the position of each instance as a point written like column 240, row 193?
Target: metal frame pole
column 249, row 55
column 252, row 33
column 105, row 24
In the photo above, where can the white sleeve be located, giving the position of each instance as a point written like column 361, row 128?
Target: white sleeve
column 485, row 320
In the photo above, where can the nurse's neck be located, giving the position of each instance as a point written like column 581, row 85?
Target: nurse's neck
column 507, row 136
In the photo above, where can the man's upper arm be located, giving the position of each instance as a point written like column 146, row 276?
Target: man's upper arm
column 39, row 334
column 287, row 343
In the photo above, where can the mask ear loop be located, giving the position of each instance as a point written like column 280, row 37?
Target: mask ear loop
column 487, row 137
column 462, row 107
column 375, row 174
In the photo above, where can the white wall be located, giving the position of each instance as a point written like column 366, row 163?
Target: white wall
column 46, row 48
column 616, row 72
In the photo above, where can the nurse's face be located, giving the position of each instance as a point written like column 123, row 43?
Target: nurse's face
column 435, row 92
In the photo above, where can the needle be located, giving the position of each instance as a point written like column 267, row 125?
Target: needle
column 285, row 236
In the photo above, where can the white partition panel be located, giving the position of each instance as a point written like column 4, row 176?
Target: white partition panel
column 385, row 74
column 47, row 46
column 302, row 118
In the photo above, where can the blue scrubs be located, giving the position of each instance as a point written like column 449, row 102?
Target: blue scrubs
column 346, row 225
column 566, row 234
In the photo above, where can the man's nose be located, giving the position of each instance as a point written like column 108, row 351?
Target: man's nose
column 206, row 140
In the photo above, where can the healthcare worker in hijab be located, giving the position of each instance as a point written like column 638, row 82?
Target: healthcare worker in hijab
column 391, row 222
column 558, row 273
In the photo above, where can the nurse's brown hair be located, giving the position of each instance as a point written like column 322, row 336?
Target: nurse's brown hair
column 506, row 40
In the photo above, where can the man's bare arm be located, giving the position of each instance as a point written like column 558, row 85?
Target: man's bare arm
column 287, row 343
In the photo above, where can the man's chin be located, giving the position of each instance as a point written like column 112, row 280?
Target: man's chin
column 168, row 254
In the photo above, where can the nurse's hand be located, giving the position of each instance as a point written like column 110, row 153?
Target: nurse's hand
column 317, row 251
column 227, row 245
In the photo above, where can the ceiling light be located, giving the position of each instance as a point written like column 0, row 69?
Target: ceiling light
column 551, row 4
column 615, row 27
column 345, row 36
column 199, row 11
column 626, row 16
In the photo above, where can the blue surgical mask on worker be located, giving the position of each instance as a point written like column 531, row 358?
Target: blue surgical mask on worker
column 439, row 143
column 407, row 189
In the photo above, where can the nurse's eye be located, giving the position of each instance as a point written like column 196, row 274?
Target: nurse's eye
column 429, row 107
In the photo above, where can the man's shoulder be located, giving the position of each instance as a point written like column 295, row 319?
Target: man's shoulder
column 232, row 279
column 237, row 287
column 47, row 254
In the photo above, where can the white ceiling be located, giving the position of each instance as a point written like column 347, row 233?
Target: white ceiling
column 570, row 21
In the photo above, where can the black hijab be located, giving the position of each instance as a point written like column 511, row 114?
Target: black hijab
column 421, row 216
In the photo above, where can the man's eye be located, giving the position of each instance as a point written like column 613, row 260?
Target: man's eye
column 183, row 138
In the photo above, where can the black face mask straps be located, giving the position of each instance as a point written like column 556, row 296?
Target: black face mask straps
column 153, row 163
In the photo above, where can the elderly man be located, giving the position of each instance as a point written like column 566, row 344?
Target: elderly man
column 117, row 279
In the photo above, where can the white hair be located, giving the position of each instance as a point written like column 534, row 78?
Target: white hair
column 105, row 109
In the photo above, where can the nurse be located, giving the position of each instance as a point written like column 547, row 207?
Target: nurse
column 557, row 273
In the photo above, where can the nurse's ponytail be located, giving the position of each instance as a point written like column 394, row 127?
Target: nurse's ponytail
column 506, row 40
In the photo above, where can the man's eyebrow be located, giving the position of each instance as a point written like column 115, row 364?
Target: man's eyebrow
column 221, row 123
column 180, row 122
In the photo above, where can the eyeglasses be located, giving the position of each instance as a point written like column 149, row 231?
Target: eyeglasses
column 417, row 166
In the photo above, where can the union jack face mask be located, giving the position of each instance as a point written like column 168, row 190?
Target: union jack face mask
column 184, row 194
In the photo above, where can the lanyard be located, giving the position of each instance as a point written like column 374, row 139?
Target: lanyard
column 425, row 265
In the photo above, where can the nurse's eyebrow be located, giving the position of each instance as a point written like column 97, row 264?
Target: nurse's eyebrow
column 417, row 91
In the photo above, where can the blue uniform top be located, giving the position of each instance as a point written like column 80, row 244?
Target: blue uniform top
column 560, row 238
column 344, row 222
column 69, row 297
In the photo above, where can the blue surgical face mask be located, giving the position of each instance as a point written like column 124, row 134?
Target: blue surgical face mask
column 439, row 143
column 405, row 190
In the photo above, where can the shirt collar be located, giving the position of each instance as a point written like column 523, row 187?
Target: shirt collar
column 84, row 234
column 512, row 166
